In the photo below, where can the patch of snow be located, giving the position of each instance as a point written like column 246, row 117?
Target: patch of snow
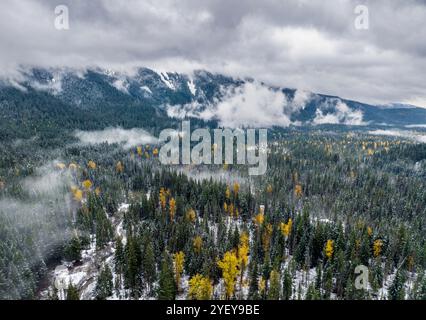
column 165, row 78
column 191, row 86
column 147, row 89
column 121, row 85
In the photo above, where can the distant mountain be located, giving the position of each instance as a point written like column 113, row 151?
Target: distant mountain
column 65, row 99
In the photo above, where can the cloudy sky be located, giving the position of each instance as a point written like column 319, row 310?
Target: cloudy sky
column 311, row 45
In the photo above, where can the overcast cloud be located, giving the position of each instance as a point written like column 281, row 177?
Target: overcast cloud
column 309, row 45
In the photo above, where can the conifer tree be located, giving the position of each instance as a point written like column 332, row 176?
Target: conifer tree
column 287, row 285
column 149, row 269
column 274, row 286
column 254, row 281
column 104, row 285
column 72, row 293
column 167, row 284
column 396, row 290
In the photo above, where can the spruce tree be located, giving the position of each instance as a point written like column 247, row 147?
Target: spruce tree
column 254, row 281
column 274, row 286
column 72, row 293
column 396, row 290
column 167, row 284
column 104, row 285
column 148, row 264
column 287, row 285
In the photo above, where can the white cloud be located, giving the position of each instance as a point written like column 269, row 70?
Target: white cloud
column 311, row 45
column 412, row 135
column 341, row 114
column 252, row 105
column 128, row 137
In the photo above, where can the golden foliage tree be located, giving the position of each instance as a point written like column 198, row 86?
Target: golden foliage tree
column 72, row 166
column 236, row 188
column 60, row 166
column 91, row 164
column 178, row 262
column 377, row 247
column 266, row 236
column 259, row 218
column 286, row 227
column 230, row 272
column 200, row 288
column 87, row 184
column 329, row 249
column 119, row 167
column 139, row 150
column 77, row 193
column 298, row 190
column 197, row 243
column 163, row 198
column 231, row 209
column 243, row 252
column 191, row 215
column 228, row 193
column 172, row 208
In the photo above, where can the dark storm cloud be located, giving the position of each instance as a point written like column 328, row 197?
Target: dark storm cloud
column 305, row 44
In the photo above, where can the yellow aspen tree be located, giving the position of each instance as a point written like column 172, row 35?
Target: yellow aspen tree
column 139, row 150
column 98, row 191
column 72, row 166
column 369, row 231
column 155, row 152
column 191, row 216
column 329, row 249
column 231, row 209
column 87, row 184
column 200, row 288
column 197, row 243
column 225, row 207
column 178, row 261
column 230, row 272
column 78, row 195
column 377, row 247
column 259, row 218
column 269, row 189
column 236, row 188
column 244, row 238
column 119, row 167
column 266, row 237
column 227, row 193
column 298, row 190
column 172, row 208
column 60, row 166
column 286, row 228
column 162, row 197
column 262, row 286
column 91, row 164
